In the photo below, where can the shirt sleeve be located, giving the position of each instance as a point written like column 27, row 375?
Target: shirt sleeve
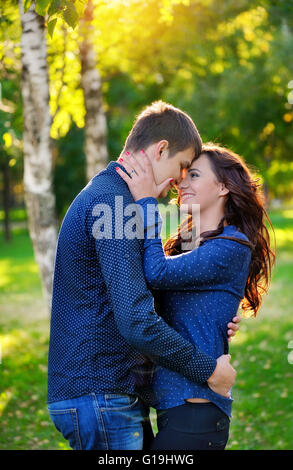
column 121, row 262
column 210, row 264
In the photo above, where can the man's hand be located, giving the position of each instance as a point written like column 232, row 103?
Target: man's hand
column 223, row 377
column 233, row 327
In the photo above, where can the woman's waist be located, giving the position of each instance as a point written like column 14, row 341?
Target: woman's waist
column 168, row 383
column 172, row 396
column 197, row 400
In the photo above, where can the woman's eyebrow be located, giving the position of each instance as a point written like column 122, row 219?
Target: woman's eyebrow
column 193, row 169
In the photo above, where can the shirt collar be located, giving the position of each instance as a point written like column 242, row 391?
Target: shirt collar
column 111, row 168
column 230, row 229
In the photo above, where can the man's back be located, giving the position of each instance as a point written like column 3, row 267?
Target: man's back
column 87, row 352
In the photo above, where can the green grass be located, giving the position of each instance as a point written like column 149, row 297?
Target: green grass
column 24, row 327
column 263, row 405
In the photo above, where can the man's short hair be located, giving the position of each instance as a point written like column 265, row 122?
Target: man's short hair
column 162, row 121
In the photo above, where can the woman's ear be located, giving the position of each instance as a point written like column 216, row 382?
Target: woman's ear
column 223, row 190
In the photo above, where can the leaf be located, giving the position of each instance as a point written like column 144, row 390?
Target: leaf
column 26, row 5
column 42, row 6
column 70, row 15
column 51, row 26
column 56, row 6
column 58, row 14
column 80, row 7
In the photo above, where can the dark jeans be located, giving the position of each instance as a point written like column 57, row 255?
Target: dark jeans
column 192, row 426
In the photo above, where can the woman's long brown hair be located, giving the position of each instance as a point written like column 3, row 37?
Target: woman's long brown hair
column 244, row 208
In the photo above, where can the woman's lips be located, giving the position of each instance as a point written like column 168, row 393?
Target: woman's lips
column 187, row 196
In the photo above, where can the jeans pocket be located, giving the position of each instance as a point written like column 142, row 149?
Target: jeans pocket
column 66, row 422
column 120, row 402
column 217, row 444
column 223, row 424
column 219, row 439
column 122, row 416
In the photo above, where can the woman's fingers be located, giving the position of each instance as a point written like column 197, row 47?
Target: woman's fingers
column 123, row 175
column 236, row 319
column 125, row 163
column 137, row 162
column 134, row 161
column 164, row 185
column 140, row 170
column 233, row 327
column 134, row 165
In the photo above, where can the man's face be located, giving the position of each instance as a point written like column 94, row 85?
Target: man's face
column 168, row 167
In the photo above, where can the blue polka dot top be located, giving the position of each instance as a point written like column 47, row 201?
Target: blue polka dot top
column 197, row 293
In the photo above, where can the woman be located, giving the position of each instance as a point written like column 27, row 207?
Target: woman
column 200, row 290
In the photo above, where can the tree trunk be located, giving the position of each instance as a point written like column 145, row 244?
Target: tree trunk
column 95, row 120
column 266, row 195
column 39, row 196
column 6, row 197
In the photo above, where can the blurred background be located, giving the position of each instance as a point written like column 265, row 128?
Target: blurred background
column 73, row 76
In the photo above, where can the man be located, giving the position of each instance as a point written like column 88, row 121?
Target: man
column 105, row 334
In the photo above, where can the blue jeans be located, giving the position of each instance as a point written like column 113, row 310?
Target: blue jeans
column 103, row 422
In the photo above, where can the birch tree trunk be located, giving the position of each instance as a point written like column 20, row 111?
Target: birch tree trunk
column 6, row 194
column 91, row 84
column 39, row 196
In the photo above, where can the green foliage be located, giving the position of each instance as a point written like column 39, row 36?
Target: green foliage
column 69, row 11
column 42, row 6
column 51, row 26
column 26, row 4
column 124, row 98
column 10, row 96
column 228, row 64
column 69, row 172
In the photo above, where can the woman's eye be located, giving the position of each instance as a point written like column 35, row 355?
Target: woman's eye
column 194, row 174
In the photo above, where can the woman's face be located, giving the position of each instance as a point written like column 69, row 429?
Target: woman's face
column 199, row 185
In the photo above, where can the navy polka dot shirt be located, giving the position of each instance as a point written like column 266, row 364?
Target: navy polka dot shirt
column 198, row 294
column 105, row 334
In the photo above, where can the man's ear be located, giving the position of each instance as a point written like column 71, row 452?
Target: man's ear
column 161, row 149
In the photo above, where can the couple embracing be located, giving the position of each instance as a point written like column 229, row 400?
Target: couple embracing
column 137, row 324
